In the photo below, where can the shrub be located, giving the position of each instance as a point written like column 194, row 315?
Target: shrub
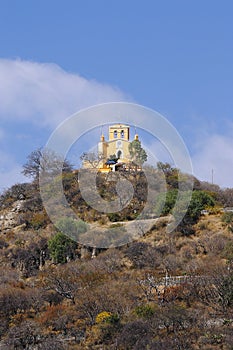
column 142, row 254
column 227, row 217
column 228, row 252
column 144, row 311
column 61, row 248
column 135, row 335
column 38, row 220
column 103, row 316
column 71, row 228
column 16, row 192
column 3, row 244
column 226, row 291
column 113, row 217
column 116, row 225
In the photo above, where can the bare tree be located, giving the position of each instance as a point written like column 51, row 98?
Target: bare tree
column 63, row 282
column 44, row 161
column 92, row 160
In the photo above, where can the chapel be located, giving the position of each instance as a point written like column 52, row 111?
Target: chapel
column 114, row 152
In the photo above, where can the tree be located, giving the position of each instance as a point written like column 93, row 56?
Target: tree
column 171, row 174
column 29, row 260
column 28, row 335
column 165, row 167
column 143, row 255
column 225, row 290
column 25, row 336
column 137, row 153
column 200, row 200
column 165, row 202
column 170, row 203
column 112, row 159
column 47, row 162
column 63, row 281
column 16, row 192
column 91, row 159
column 227, row 195
column 135, row 335
column 61, row 248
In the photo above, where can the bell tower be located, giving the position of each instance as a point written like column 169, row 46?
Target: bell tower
column 119, row 131
column 116, row 147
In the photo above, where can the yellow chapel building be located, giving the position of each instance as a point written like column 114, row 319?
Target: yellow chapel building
column 117, row 144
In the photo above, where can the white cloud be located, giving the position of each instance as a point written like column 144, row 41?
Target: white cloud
column 215, row 152
column 45, row 93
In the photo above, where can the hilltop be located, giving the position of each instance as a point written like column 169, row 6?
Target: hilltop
column 161, row 291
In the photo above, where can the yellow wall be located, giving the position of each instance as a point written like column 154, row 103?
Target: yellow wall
column 117, row 144
column 119, row 131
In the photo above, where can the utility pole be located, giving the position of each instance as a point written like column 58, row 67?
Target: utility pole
column 212, row 176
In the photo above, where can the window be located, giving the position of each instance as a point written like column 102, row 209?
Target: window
column 122, row 134
column 115, row 134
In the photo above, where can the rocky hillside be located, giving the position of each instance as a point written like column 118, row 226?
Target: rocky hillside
column 161, row 291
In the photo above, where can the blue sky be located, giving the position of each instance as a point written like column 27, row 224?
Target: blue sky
column 175, row 57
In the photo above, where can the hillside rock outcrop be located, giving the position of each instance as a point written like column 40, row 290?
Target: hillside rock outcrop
column 10, row 218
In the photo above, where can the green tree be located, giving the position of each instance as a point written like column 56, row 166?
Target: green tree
column 137, row 153
column 165, row 202
column 200, row 200
column 61, row 248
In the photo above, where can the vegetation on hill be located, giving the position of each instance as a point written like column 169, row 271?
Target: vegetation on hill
column 137, row 153
column 166, row 290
